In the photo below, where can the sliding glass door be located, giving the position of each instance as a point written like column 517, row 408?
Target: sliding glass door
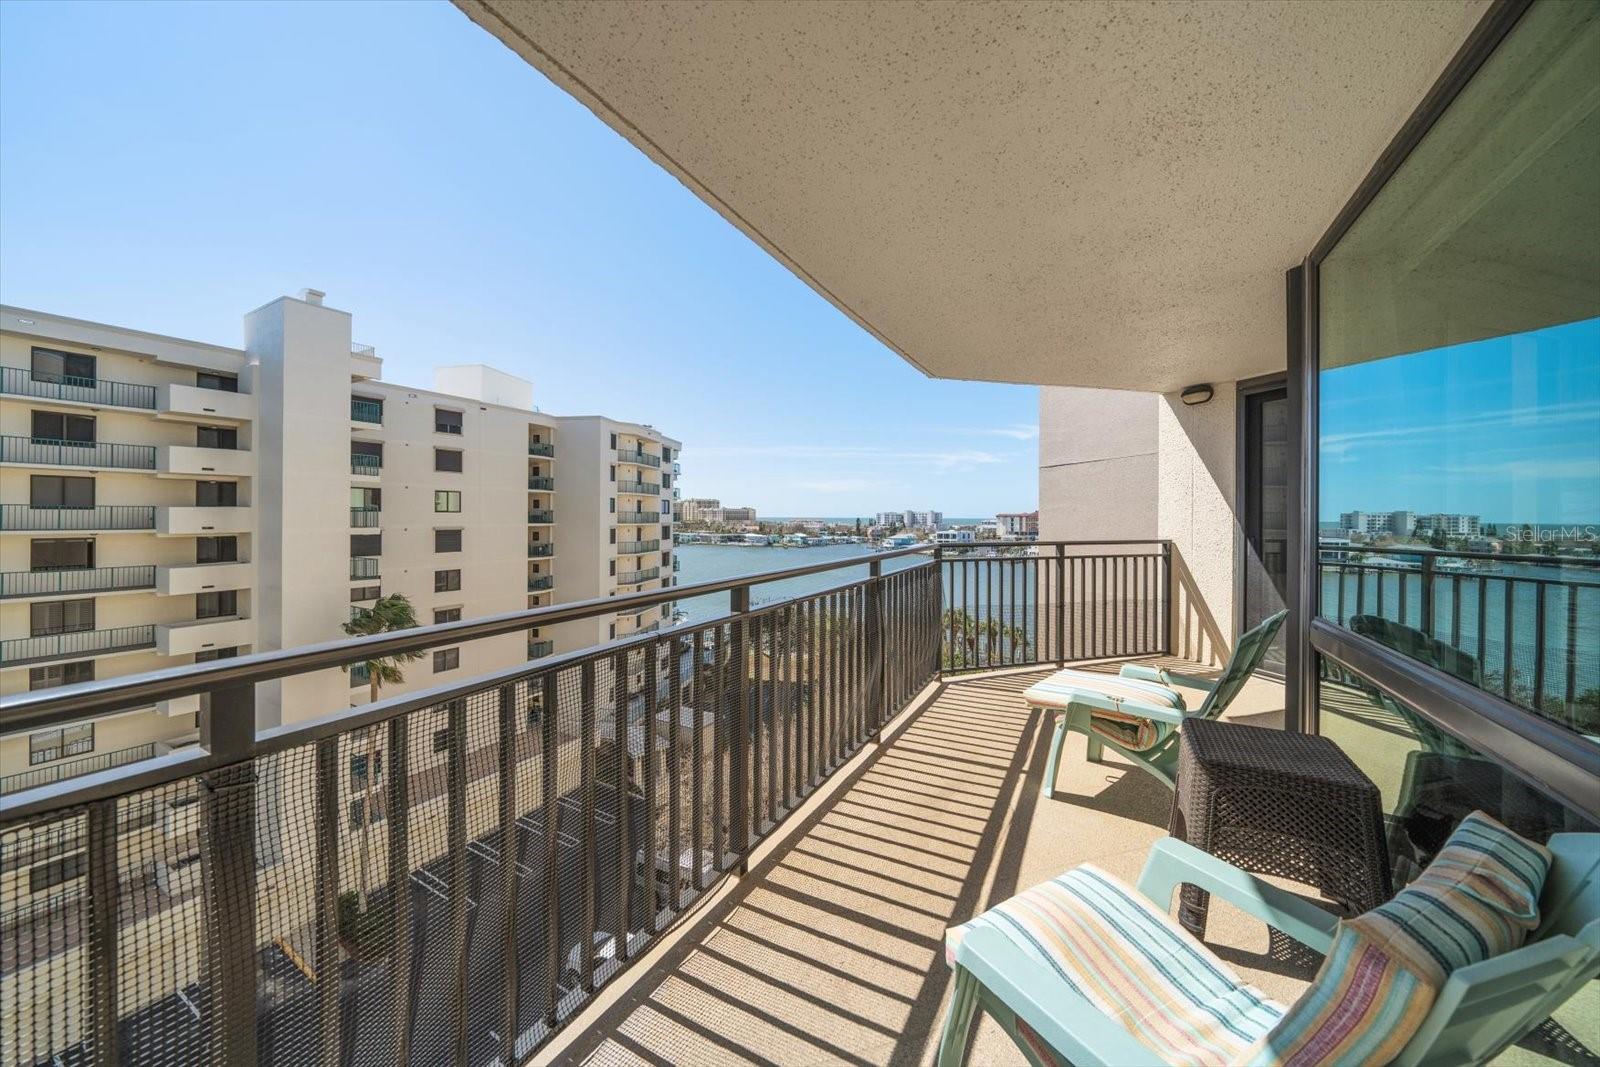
column 1264, row 511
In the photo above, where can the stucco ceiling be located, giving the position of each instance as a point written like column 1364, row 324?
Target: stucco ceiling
column 1085, row 193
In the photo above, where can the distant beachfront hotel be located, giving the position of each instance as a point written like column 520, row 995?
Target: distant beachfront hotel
column 1406, row 523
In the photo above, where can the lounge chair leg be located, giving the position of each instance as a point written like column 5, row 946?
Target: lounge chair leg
column 1096, row 749
column 958, row 1019
column 1057, row 742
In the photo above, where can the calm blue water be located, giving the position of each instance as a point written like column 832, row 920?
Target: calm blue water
column 708, row 563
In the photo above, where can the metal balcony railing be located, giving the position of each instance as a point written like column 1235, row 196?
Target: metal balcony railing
column 366, row 517
column 76, row 580
column 541, row 516
column 21, row 381
column 55, row 772
column 637, row 455
column 634, row 548
column 540, row 549
column 363, row 410
column 540, row 582
column 541, row 448
column 58, row 453
column 540, row 649
column 638, row 488
column 634, row 518
column 725, row 727
column 96, row 517
column 635, row 577
column 75, row 644
column 545, row 483
column 366, row 466
column 364, row 567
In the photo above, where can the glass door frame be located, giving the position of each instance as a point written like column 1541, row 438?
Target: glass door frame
column 1248, row 391
column 1537, row 750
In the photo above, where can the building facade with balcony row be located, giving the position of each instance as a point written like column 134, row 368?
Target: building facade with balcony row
column 168, row 501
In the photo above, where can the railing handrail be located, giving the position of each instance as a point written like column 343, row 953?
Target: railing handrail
column 15, row 381
column 1494, row 557
column 62, row 770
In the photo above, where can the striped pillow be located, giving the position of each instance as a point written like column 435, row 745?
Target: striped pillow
column 1479, row 898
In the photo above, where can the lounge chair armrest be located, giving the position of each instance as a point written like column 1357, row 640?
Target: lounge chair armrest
column 1171, row 716
column 1173, row 862
column 1144, row 672
column 1190, row 681
column 1078, row 1031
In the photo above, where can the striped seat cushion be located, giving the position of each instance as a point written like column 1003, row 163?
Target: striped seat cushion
column 1479, row 898
column 1128, row 729
column 1133, row 963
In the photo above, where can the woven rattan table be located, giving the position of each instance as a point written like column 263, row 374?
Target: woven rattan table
column 1279, row 803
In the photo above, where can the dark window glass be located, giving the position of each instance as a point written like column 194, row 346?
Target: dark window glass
column 216, row 549
column 63, row 367
column 55, row 426
column 612, row 504
column 446, row 581
column 366, row 499
column 666, row 454
column 446, row 421
column 358, row 770
column 447, row 540
column 60, row 555
column 441, row 740
column 54, row 674
column 216, row 494
column 446, row 459
column 216, row 437
column 360, row 593
column 54, row 491
column 613, row 566
column 223, row 383
column 613, row 535
column 446, row 501
column 613, row 472
column 447, row 615
column 367, row 448
column 446, row 659
column 206, row 655
column 613, row 441
column 366, row 544
column 1459, row 388
column 216, row 604
column 359, row 816
column 56, row 872
column 61, row 617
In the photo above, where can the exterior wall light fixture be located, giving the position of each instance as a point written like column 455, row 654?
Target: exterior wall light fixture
column 1196, row 394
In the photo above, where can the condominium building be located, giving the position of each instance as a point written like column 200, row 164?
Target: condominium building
column 915, row 520
column 168, row 502
column 1018, row 524
column 698, row 509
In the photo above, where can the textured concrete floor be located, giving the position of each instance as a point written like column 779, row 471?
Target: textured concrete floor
column 830, row 951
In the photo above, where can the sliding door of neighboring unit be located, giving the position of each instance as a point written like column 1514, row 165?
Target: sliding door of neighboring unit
column 1454, row 373
column 1264, row 507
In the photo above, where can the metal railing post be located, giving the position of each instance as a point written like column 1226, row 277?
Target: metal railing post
column 1428, row 562
column 399, row 880
column 875, row 621
column 1168, row 616
column 509, row 862
column 1061, row 604
column 104, row 901
column 456, row 875
column 327, row 892
column 228, row 864
column 739, row 786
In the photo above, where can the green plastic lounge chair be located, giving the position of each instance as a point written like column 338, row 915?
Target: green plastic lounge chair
column 1137, row 712
column 1480, row 1009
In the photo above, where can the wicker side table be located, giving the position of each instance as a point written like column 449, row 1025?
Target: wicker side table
column 1279, row 803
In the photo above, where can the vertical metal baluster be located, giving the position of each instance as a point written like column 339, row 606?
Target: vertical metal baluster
column 1380, row 576
column 1361, row 592
column 769, row 715
column 456, row 874
column 1070, row 636
column 586, row 780
column 551, row 806
column 739, row 787
column 879, row 689
column 647, row 841
column 696, row 773
column 808, row 757
column 1572, row 647
column 326, row 933
column 1505, row 675
column 105, row 895
column 1428, row 561
column 1455, row 610
column 675, row 652
column 719, row 741
column 1003, row 571
column 508, row 870
column 1538, row 645
column 1340, row 619
column 399, row 879
column 758, row 718
column 1404, row 610
column 1482, row 587
column 622, row 797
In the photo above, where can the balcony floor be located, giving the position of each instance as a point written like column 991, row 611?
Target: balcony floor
column 831, row 950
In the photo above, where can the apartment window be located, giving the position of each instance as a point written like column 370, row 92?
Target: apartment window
column 54, row 674
column 611, row 502
column 441, row 739
column 613, row 568
column 55, row 426
column 207, row 655
column 216, row 437
column 447, row 540
column 446, row 501
column 613, row 630
column 216, row 549
column 359, row 815
column 613, row 532
column 446, row 581
column 446, row 421
column 358, row 770
column 613, row 442
column 613, row 472
column 71, row 368
column 51, row 873
column 54, row 491
column 65, row 554
column 366, row 499
column 666, row 481
column 447, row 459
column 361, row 593
column 366, row 544
column 216, row 604
column 61, row 617
column 666, row 559
column 47, row 745
column 666, row 454
column 446, row 659
column 216, row 494
column 222, row 383
column 446, row 615
column 366, row 455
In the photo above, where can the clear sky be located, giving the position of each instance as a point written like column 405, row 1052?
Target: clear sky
column 170, row 167
column 1507, row 429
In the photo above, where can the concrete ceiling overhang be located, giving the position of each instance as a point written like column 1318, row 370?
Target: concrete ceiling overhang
column 1100, row 194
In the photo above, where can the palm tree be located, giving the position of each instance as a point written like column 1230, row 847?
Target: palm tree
column 386, row 615
column 975, row 639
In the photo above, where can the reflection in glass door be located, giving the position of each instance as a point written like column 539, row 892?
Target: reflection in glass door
column 1265, row 511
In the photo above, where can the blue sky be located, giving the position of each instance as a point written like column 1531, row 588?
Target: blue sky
column 169, row 167
column 1507, row 428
